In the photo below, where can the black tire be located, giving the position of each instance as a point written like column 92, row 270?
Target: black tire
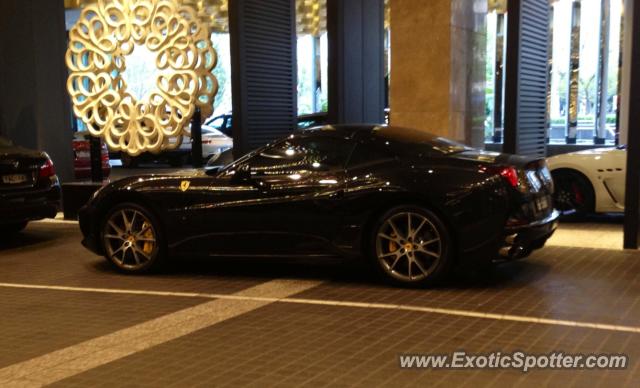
column 128, row 161
column 130, row 252
column 573, row 193
column 397, row 257
column 13, row 228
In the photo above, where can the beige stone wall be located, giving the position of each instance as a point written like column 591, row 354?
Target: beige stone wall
column 437, row 67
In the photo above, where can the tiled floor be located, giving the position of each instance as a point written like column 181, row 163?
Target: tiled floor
column 327, row 345
column 335, row 326
column 35, row 322
column 606, row 234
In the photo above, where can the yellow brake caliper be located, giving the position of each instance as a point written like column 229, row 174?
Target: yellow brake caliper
column 392, row 245
column 148, row 245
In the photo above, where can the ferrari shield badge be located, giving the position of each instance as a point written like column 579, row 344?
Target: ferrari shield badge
column 184, row 185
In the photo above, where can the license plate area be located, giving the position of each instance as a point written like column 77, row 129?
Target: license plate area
column 14, row 179
column 541, row 203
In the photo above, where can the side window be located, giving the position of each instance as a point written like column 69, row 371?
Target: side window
column 370, row 152
column 217, row 122
column 295, row 154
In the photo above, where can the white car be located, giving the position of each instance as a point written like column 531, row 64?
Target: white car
column 214, row 142
column 589, row 181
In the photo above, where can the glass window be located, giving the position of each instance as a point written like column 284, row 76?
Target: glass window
column 311, row 153
column 312, row 56
column 370, row 152
column 560, row 71
column 494, row 71
column 222, row 103
column 576, row 42
column 588, row 81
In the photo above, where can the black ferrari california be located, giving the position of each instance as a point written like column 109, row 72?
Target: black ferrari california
column 413, row 204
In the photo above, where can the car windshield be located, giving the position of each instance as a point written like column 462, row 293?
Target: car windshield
column 411, row 136
column 5, row 142
column 215, row 122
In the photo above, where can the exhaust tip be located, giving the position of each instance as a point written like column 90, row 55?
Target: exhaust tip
column 512, row 252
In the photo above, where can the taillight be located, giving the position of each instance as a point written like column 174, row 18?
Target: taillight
column 511, row 175
column 47, row 170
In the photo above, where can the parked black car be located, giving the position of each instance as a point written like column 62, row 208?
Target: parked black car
column 412, row 203
column 29, row 187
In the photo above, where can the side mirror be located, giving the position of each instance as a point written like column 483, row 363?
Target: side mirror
column 242, row 174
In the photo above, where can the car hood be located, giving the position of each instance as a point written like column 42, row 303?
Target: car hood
column 138, row 181
column 590, row 152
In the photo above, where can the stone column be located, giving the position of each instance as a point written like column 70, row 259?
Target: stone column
column 438, row 67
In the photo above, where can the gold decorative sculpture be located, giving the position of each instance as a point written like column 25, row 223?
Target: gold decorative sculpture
column 109, row 30
column 311, row 14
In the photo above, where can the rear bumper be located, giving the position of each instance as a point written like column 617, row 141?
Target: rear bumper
column 521, row 240
column 512, row 243
column 30, row 206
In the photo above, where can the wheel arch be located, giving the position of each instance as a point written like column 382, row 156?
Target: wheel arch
column 119, row 197
column 407, row 199
column 583, row 175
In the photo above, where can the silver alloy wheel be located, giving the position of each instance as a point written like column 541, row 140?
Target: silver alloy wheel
column 408, row 246
column 129, row 239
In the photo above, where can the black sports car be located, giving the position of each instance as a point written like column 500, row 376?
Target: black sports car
column 412, row 203
column 29, row 187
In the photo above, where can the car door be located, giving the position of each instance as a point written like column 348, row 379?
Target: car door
column 283, row 200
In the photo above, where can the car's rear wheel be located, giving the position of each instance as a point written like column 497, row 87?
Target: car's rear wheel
column 13, row 227
column 132, row 238
column 411, row 246
column 573, row 193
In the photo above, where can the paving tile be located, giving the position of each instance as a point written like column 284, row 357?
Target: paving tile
column 580, row 284
column 338, row 346
column 36, row 322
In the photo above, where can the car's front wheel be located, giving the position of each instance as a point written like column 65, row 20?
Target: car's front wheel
column 132, row 238
column 411, row 246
